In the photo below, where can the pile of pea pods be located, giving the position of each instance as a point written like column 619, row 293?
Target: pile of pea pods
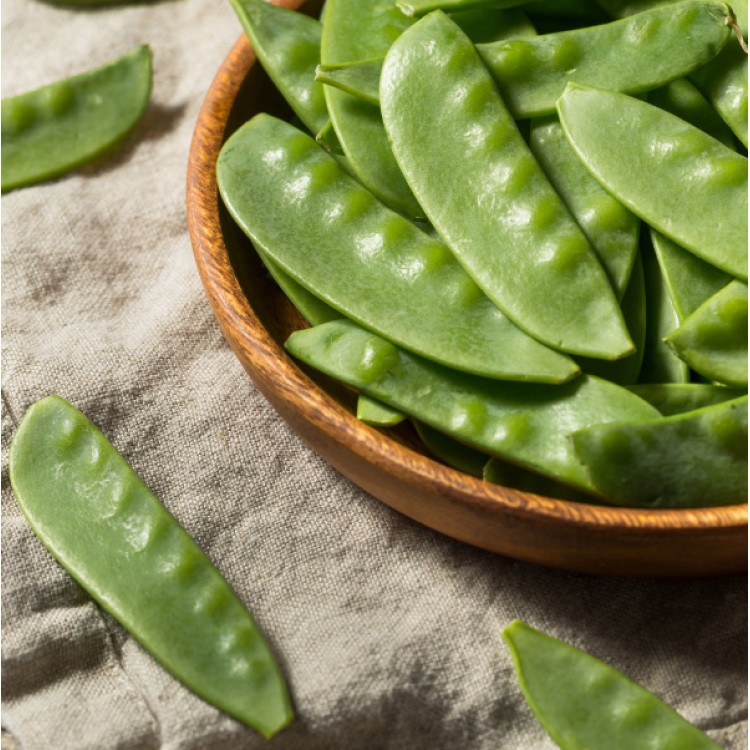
column 521, row 225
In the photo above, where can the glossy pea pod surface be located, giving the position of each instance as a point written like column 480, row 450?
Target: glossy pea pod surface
column 372, row 265
column 713, row 339
column 677, row 178
column 677, row 398
column 52, row 130
column 101, row 522
column 525, row 423
column 585, row 704
column 689, row 460
column 498, row 213
column 422, row 7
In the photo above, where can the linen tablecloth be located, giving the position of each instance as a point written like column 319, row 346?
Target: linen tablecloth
column 388, row 633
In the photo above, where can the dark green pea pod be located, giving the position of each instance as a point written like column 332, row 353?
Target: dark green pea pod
column 287, row 44
column 57, row 128
column 678, row 179
column 498, row 213
column 95, row 515
column 713, row 339
column 678, row 398
column 584, row 703
column 451, row 452
column 371, row 264
column 528, row 424
column 376, row 413
column 691, row 460
column 689, row 280
column 507, row 474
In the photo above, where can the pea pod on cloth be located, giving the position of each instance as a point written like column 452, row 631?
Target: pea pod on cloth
column 584, row 703
column 713, row 339
column 95, row 515
column 371, row 264
column 498, row 213
column 691, row 460
column 677, row 178
column 57, row 128
column 528, row 424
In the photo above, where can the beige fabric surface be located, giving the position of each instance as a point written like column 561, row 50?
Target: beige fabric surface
column 389, row 634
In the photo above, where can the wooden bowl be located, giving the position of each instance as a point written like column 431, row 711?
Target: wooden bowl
column 392, row 465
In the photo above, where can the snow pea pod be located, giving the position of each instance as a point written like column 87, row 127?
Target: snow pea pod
column 677, row 398
column 95, row 515
column 54, row 129
column 332, row 236
column 690, row 460
column 422, row 7
column 526, row 423
column 287, row 44
column 584, row 703
column 498, row 213
column 451, row 452
column 507, row 474
column 377, row 414
column 679, row 180
column 713, row 339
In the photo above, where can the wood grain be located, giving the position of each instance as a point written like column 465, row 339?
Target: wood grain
column 392, row 465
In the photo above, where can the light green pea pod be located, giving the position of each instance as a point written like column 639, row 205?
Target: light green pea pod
column 377, row 414
column 612, row 230
column 713, row 339
column 678, row 398
column 451, row 452
column 333, row 237
column 507, row 474
column 95, row 515
column 528, row 424
column 690, row 281
column 57, row 128
column 691, row 460
column 327, row 138
column 422, row 7
column 660, row 364
column 361, row 78
column 678, row 179
column 287, row 44
column 585, row 704
column 498, row 213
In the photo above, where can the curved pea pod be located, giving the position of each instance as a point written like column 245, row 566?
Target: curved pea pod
column 332, row 236
column 691, row 460
column 451, row 452
column 507, row 474
column 361, row 78
column 327, row 138
column 57, row 128
column 632, row 55
column 678, row 398
column 287, row 44
column 584, row 703
column 95, row 515
column 377, row 414
column 689, row 280
column 524, row 423
column 612, row 230
column 679, row 180
column 422, row 7
column 713, row 339
column 498, row 213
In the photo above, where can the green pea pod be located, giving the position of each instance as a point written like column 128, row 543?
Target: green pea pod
column 498, row 213
column 95, row 515
column 377, row 414
column 327, row 138
column 451, row 452
column 287, row 44
column 713, row 339
column 371, row 264
column 689, row 280
column 690, row 460
column 507, row 474
column 422, row 7
column 524, row 423
column 361, row 79
column 57, row 128
column 584, row 703
column 682, row 182
column 678, row 398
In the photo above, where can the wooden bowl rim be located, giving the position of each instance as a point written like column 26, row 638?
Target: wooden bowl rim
column 250, row 339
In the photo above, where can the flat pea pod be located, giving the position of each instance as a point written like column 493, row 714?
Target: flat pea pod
column 287, row 44
column 327, row 138
column 95, row 515
column 678, row 398
column 377, row 414
column 691, row 460
column 584, row 703
column 689, row 280
column 679, row 180
column 525, row 423
column 451, row 452
column 369, row 263
column 713, row 339
column 57, row 128
column 498, row 213
column 507, row 474
column 422, row 7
